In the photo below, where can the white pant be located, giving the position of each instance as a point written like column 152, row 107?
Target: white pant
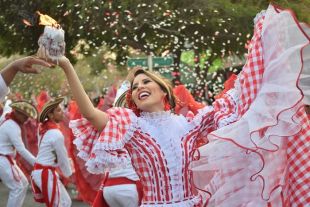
column 18, row 189
column 121, row 195
column 64, row 200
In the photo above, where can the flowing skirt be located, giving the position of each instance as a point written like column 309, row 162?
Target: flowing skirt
column 262, row 159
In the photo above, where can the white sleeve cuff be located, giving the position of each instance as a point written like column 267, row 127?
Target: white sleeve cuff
column 4, row 90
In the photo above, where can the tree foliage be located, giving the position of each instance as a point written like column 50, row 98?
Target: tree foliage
column 212, row 29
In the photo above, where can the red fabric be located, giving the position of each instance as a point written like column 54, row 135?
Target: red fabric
column 229, row 84
column 100, row 104
column 30, row 140
column 44, row 193
column 43, row 198
column 86, row 183
column 15, row 173
column 12, row 116
column 99, row 200
column 109, row 98
column 73, row 111
column 113, row 135
column 185, row 101
column 41, row 99
column 47, row 125
column 298, row 165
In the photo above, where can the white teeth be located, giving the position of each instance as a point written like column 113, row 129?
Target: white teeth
column 143, row 95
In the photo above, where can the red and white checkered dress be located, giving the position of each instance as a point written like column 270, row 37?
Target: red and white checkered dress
column 258, row 132
column 263, row 158
column 160, row 145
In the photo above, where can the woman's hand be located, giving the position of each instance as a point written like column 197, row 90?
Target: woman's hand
column 63, row 62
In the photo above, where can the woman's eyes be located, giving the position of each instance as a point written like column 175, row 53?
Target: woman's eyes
column 144, row 82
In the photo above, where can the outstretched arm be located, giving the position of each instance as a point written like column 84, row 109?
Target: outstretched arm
column 24, row 65
column 98, row 118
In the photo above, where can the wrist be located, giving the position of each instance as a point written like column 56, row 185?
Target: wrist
column 65, row 64
column 14, row 67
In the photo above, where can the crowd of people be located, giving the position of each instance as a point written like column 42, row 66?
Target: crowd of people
column 156, row 146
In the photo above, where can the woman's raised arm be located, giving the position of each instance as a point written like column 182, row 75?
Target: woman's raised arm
column 97, row 117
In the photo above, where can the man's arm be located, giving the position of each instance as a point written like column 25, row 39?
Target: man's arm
column 16, row 139
column 24, row 65
column 62, row 155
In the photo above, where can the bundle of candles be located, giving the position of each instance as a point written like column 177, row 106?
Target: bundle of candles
column 53, row 38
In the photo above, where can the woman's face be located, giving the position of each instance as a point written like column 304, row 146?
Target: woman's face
column 147, row 94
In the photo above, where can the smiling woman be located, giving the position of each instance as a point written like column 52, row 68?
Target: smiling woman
column 248, row 126
column 150, row 92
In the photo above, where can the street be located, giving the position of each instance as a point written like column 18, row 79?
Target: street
column 29, row 201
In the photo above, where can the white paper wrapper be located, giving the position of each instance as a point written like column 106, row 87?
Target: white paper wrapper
column 53, row 41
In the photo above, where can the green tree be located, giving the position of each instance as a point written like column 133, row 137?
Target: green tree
column 212, row 29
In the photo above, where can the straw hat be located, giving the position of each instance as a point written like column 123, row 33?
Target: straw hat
column 25, row 108
column 120, row 99
column 50, row 105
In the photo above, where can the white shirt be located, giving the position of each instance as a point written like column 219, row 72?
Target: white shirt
column 3, row 88
column 124, row 171
column 6, row 109
column 11, row 141
column 52, row 151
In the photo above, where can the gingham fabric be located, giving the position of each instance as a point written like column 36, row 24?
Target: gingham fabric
column 298, row 152
column 250, row 78
column 250, row 151
column 161, row 166
column 263, row 158
column 112, row 139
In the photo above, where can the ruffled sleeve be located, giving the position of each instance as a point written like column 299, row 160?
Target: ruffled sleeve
column 223, row 111
column 104, row 149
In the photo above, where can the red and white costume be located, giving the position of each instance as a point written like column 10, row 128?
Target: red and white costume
column 45, row 180
column 262, row 159
column 120, row 185
column 251, row 155
column 10, row 174
column 161, row 166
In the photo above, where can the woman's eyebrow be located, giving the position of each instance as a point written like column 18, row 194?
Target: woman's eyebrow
column 142, row 80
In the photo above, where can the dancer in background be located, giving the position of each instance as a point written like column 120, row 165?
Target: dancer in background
column 10, row 142
column 46, row 186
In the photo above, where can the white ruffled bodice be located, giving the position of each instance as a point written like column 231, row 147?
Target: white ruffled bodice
column 172, row 128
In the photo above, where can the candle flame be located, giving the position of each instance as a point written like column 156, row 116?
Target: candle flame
column 47, row 20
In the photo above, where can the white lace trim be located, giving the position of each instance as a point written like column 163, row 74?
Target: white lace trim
column 168, row 137
column 199, row 116
column 156, row 116
column 259, row 16
column 232, row 117
column 105, row 161
column 187, row 203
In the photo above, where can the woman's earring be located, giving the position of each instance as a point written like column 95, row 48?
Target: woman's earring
column 166, row 104
column 131, row 104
